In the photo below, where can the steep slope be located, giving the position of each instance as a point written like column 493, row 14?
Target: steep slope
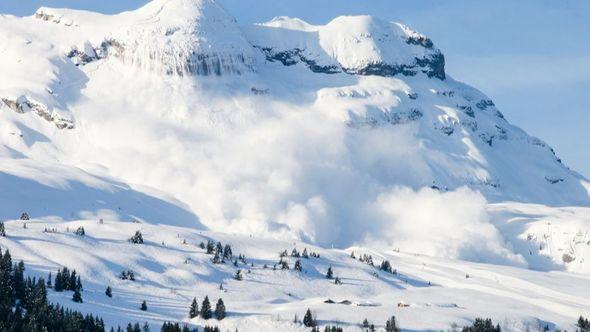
column 282, row 128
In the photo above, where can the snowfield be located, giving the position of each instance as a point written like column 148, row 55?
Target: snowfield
column 169, row 273
column 272, row 136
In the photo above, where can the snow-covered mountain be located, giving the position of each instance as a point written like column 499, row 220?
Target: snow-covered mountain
column 347, row 134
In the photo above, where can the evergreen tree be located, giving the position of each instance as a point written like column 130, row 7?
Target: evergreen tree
column 49, row 282
column 308, row 319
column 386, row 266
column 19, row 280
column 72, row 281
column 217, row 259
column 79, row 284
column 137, row 238
column 206, row 312
column 227, row 252
column 194, row 310
column 298, row 266
column 109, row 291
column 305, row 254
column 210, row 247
column 80, row 231
column 391, row 325
column 143, row 306
column 238, row 275
column 330, row 273
column 145, row 328
column 220, row 310
column 366, row 323
column 24, row 216
column 583, row 324
column 77, row 296
column 2, row 229
column 58, row 286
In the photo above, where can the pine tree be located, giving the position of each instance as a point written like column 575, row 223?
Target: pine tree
column 206, row 309
column 238, row 275
column 24, row 216
column 79, row 284
column 146, row 327
column 386, row 266
column 143, row 306
column 194, row 310
column 58, row 286
column 210, row 247
column 49, row 282
column 220, row 310
column 77, row 296
column 80, row 231
column 391, row 325
column 308, row 319
column 72, row 282
column 217, row 258
column 19, row 280
column 109, row 291
column 583, row 324
column 137, row 238
column 298, row 266
column 2, row 229
column 227, row 252
column 330, row 273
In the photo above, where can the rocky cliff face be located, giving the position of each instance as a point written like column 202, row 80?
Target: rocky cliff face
column 357, row 45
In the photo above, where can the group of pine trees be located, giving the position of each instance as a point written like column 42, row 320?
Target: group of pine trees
column 175, row 327
column 206, row 312
column 584, row 324
column 482, row 325
column 296, row 254
column 220, row 253
column 24, row 305
column 67, row 281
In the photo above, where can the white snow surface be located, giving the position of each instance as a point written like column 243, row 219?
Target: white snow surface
column 170, row 269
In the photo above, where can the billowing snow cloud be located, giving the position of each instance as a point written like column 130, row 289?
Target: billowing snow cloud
column 451, row 224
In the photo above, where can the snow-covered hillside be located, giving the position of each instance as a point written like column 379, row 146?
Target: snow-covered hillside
column 171, row 269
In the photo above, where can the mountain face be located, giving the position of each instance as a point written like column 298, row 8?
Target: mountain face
column 279, row 128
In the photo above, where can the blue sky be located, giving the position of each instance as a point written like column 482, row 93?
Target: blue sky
column 532, row 57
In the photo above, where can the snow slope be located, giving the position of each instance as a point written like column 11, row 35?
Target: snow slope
column 281, row 129
column 170, row 272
